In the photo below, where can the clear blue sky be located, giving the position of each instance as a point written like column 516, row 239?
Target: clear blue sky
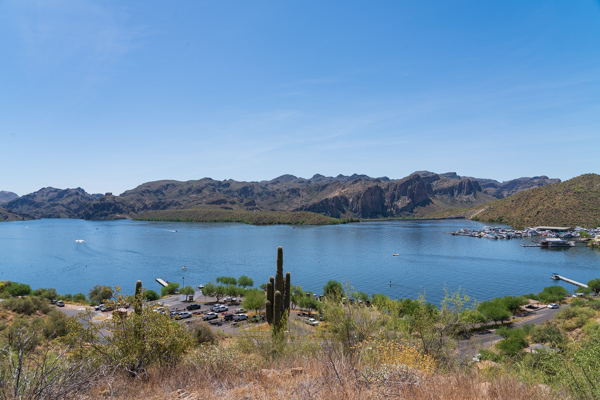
column 106, row 95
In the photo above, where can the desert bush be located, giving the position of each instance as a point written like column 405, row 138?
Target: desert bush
column 55, row 325
column 202, row 333
column 548, row 333
column 31, row 372
column 135, row 342
column 27, row 305
column 219, row 361
column 383, row 362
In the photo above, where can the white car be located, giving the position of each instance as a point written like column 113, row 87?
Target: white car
column 209, row 316
column 219, row 308
column 312, row 321
column 553, row 305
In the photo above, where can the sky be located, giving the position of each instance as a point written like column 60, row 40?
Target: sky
column 106, row 95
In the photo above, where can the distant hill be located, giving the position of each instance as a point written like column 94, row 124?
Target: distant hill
column 52, row 203
column 347, row 197
column 575, row 202
column 6, row 215
column 5, row 197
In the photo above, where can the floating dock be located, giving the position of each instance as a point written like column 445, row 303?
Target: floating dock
column 161, row 282
column 557, row 277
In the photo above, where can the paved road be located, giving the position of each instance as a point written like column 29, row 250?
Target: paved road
column 485, row 339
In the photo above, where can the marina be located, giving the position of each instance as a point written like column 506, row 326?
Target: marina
column 552, row 236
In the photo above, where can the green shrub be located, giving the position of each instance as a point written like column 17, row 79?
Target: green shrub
column 151, row 295
column 548, row 333
column 18, row 289
column 27, row 305
column 202, row 333
column 79, row 298
column 56, row 325
column 171, row 288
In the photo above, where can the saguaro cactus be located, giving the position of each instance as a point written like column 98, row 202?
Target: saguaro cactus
column 137, row 302
column 278, row 295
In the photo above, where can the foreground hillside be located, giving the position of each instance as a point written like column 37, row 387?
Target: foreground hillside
column 419, row 195
column 575, row 202
column 378, row 348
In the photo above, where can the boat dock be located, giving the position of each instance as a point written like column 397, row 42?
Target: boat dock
column 161, row 282
column 557, row 277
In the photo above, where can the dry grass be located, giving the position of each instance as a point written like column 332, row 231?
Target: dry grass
column 323, row 375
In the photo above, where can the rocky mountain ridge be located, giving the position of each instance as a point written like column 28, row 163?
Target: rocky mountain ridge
column 355, row 196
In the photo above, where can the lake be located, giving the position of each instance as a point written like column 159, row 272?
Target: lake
column 74, row 255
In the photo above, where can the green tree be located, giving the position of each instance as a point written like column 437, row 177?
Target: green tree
column 209, row 289
column 309, row 303
column 494, row 311
column 296, row 295
column 226, row 280
column 513, row 303
column 151, row 295
column 170, row 289
column 100, row 293
column 19, row 289
column 79, row 298
column 333, row 289
column 254, row 300
column 232, row 290
column 594, row 285
column 49, row 294
column 187, row 290
column 245, row 282
column 220, row 292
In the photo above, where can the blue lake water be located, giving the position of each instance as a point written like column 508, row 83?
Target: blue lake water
column 45, row 253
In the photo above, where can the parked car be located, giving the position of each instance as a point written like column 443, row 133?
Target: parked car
column 99, row 307
column 194, row 306
column 107, row 308
column 219, row 308
column 312, row 321
column 228, row 317
column 184, row 315
column 553, row 305
column 60, row 303
column 240, row 317
column 209, row 316
column 240, row 311
column 257, row 318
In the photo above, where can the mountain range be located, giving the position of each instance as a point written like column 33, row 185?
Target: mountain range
column 419, row 195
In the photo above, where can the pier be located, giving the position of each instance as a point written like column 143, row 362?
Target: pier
column 162, row 282
column 557, row 277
